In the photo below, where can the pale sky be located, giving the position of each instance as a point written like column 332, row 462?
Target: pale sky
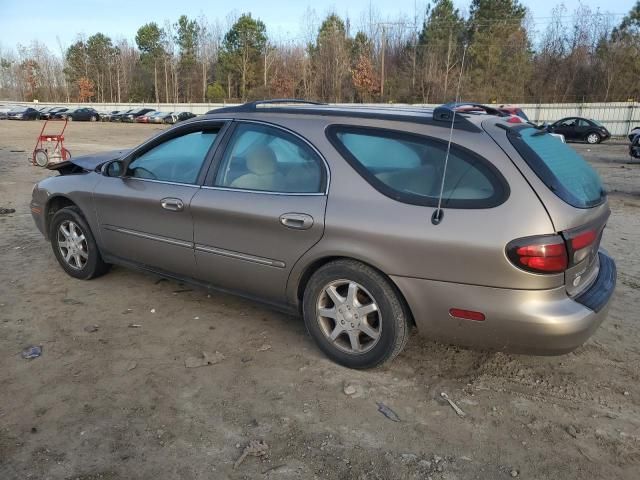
column 46, row 20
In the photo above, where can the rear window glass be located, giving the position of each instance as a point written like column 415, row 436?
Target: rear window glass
column 409, row 168
column 559, row 166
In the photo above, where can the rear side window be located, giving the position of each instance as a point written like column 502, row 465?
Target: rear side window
column 559, row 166
column 409, row 168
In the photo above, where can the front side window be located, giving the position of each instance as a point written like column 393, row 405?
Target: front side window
column 268, row 159
column 409, row 168
column 178, row 159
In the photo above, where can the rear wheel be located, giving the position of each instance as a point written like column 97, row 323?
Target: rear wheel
column 93, row 118
column 74, row 245
column 355, row 315
column 70, row 118
column 593, row 138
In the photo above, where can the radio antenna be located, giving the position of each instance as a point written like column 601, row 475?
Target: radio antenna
column 438, row 214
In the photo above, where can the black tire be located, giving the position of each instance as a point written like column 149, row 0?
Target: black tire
column 94, row 266
column 93, row 118
column 393, row 315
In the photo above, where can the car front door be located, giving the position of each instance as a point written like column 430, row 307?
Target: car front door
column 568, row 128
column 145, row 215
column 261, row 209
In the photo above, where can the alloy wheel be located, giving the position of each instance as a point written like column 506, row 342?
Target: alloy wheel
column 349, row 316
column 72, row 244
column 593, row 138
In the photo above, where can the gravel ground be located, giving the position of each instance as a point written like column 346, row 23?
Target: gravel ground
column 110, row 401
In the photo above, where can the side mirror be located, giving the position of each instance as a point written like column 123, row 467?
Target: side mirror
column 114, row 168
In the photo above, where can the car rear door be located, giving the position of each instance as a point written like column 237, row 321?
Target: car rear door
column 261, row 209
column 145, row 215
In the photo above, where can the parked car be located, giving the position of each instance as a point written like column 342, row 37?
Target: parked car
column 4, row 111
column 82, row 114
column 581, row 129
column 23, row 113
column 182, row 116
column 632, row 134
column 117, row 117
column 131, row 116
column 340, row 214
column 51, row 113
column 634, row 148
column 156, row 117
column 148, row 117
column 105, row 116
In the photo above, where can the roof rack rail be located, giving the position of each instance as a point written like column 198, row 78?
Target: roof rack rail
column 253, row 106
column 435, row 117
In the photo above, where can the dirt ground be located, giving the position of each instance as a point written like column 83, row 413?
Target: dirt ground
column 117, row 402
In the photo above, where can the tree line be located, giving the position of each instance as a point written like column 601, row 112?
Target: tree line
column 504, row 56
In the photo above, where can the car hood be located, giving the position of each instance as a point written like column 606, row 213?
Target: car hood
column 90, row 162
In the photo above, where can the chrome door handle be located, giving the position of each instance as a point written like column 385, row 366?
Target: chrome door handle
column 173, row 204
column 298, row 221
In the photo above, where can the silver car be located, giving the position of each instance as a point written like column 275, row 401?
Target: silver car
column 477, row 229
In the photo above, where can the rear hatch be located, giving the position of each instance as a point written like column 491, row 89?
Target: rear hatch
column 568, row 187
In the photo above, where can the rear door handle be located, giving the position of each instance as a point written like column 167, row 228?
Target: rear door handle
column 298, row 221
column 173, row 204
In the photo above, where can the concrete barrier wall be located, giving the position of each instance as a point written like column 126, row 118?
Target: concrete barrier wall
column 618, row 117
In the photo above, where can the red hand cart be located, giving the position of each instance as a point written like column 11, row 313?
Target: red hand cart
column 49, row 148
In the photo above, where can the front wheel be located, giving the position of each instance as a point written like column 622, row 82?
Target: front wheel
column 355, row 315
column 593, row 138
column 93, row 118
column 74, row 245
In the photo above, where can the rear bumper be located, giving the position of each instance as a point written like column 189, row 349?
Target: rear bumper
column 542, row 322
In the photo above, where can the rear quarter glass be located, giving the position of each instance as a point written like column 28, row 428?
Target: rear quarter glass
column 559, row 166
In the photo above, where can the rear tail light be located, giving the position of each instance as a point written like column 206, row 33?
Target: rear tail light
column 542, row 254
column 582, row 244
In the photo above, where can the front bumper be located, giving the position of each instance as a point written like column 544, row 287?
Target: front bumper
column 542, row 322
column 37, row 212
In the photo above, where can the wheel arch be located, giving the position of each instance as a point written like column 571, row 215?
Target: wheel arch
column 55, row 203
column 315, row 264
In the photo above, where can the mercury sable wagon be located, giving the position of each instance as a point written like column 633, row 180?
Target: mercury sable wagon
column 475, row 228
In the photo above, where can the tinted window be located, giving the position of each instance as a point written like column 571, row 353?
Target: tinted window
column 263, row 158
column 178, row 159
column 569, row 122
column 583, row 123
column 559, row 166
column 409, row 168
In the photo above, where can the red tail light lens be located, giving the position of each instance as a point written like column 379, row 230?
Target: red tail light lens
column 544, row 254
column 584, row 239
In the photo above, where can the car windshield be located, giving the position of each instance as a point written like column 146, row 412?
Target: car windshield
column 18, row 110
column 596, row 122
column 559, row 166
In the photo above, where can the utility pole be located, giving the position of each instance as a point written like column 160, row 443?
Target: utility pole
column 384, row 41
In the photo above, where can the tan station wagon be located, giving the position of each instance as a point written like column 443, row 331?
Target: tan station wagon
column 366, row 221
